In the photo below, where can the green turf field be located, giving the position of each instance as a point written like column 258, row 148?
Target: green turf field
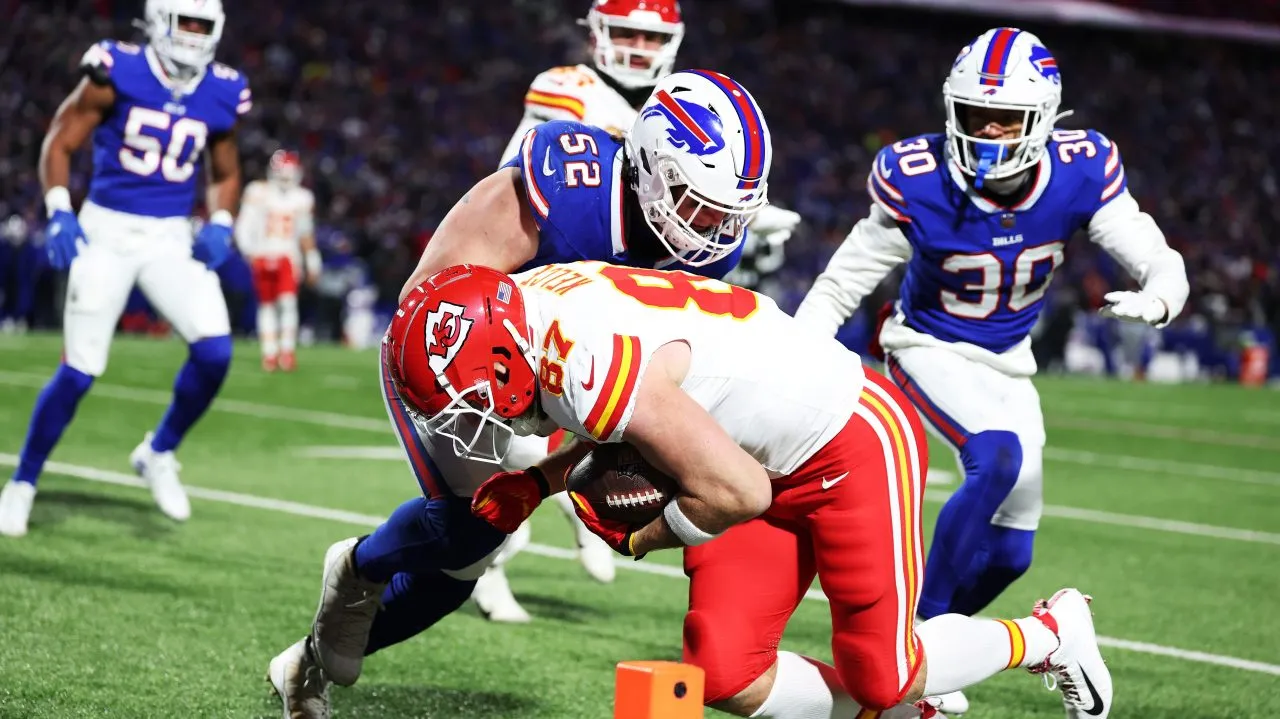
column 1164, row 503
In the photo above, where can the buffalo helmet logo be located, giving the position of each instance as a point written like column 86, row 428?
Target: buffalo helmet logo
column 690, row 126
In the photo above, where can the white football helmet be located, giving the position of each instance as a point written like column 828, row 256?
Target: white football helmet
column 1004, row 69
column 182, row 52
column 701, row 152
column 285, row 168
column 658, row 17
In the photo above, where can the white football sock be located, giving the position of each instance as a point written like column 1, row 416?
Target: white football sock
column 268, row 329
column 806, row 688
column 288, row 322
column 962, row 651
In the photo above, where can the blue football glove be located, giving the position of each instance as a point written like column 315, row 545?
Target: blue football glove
column 213, row 244
column 62, row 238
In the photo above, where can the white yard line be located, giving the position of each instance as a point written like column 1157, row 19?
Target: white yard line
column 332, row 419
column 368, row 520
column 1133, row 521
column 1146, row 464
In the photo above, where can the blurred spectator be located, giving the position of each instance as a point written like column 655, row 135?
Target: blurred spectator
column 398, row 106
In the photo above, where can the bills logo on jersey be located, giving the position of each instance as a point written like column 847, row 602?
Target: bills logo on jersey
column 692, row 128
column 446, row 331
column 1045, row 64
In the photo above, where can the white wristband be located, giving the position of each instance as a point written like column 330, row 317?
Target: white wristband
column 57, row 198
column 687, row 531
column 312, row 260
column 221, row 217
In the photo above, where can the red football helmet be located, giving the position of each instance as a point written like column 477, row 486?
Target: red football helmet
column 632, row 66
column 285, row 168
column 458, row 353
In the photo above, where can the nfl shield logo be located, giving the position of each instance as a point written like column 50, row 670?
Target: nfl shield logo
column 1008, row 220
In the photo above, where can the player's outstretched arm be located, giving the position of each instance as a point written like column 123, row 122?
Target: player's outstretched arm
column 491, row 225
column 1134, row 239
column 72, row 124
column 720, row 484
column 868, row 254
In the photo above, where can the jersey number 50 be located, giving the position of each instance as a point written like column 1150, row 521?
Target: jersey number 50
column 991, row 281
column 144, row 154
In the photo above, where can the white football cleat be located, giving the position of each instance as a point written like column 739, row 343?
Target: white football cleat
column 160, row 469
column 300, row 683
column 954, row 704
column 1077, row 664
column 348, row 604
column 493, row 597
column 15, row 507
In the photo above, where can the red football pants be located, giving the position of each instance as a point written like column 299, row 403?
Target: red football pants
column 851, row 516
column 273, row 277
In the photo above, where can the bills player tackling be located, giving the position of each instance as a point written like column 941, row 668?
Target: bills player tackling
column 154, row 112
column 980, row 215
column 793, row 461
column 275, row 232
column 678, row 192
column 633, row 45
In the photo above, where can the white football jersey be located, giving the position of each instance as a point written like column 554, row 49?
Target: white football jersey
column 273, row 219
column 572, row 92
column 779, row 389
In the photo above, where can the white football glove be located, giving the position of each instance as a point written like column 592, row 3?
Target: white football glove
column 774, row 225
column 1135, row 307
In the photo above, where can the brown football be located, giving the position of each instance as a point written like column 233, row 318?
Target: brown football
column 620, row 485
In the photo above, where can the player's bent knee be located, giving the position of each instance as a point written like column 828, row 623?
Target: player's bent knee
column 869, row 675
column 726, row 653
column 212, row 353
column 72, row 380
column 993, row 458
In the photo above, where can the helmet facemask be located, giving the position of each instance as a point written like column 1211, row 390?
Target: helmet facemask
column 694, row 228
column 479, row 428
column 618, row 61
column 987, row 159
column 185, row 39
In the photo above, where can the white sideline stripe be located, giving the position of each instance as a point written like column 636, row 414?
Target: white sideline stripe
column 542, row 550
column 232, row 406
column 1133, row 521
column 1146, row 464
column 345, row 421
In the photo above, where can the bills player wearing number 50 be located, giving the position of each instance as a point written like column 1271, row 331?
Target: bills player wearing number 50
column 677, row 193
column 981, row 216
column 154, row 112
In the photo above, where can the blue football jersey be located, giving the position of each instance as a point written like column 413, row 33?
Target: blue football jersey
column 572, row 176
column 979, row 270
column 149, row 149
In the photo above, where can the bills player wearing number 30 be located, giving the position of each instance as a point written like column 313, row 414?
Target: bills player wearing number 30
column 981, row 216
column 154, row 111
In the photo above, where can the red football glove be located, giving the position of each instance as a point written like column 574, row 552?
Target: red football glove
column 615, row 534
column 508, row 498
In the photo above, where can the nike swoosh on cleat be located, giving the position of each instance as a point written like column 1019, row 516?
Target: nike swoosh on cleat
column 1096, row 709
column 591, row 378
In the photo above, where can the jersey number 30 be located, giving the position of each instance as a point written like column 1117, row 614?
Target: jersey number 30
column 1021, row 295
column 145, row 154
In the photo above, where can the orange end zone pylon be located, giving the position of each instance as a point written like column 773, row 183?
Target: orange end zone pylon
column 658, row 690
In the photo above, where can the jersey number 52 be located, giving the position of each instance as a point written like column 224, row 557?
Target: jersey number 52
column 145, row 154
